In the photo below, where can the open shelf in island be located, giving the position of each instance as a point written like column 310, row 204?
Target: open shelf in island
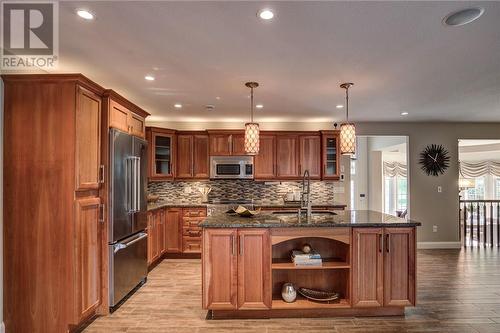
column 303, row 303
column 328, row 263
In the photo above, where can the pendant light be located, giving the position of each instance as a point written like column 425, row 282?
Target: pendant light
column 347, row 129
column 251, row 128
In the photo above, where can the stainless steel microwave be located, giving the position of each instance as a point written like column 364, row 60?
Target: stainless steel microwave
column 231, row 167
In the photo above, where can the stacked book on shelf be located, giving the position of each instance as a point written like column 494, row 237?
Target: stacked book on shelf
column 300, row 258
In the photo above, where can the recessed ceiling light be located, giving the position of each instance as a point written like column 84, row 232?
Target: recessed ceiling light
column 339, row 106
column 149, row 77
column 265, row 14
column 177, row 105
column 463, row 16
column 83, row 13
column 259, row 106
column 404, row 113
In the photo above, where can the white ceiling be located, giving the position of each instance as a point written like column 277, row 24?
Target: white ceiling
column 399, row 55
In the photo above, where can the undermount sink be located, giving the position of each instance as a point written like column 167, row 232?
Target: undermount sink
column 314, row 212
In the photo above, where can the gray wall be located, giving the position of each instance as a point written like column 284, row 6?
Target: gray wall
column 426, row 204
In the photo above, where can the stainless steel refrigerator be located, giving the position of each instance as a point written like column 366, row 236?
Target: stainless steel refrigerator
column 128, row 215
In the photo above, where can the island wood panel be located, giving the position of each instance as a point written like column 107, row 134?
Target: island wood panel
column 367, row 267
column 310, row 155
column 39, row 183
column 399, row 267
column 88, row 139
column 173, row 230
column 287, row 156
column 220, row 144
column 238, row 144
column 254, row 269
column 281, row 235
column 265, row 160
column 88, row 254
column 200, row 157
column 220, row 271
column 184, row 156
column 150, row 237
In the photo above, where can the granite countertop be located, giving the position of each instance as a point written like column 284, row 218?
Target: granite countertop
column 256, row 204
column 345, row 218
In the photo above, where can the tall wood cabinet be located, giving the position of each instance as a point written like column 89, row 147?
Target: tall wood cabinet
column 192, row 155
column 383, row 267
column 236, row 269
column 53, row 212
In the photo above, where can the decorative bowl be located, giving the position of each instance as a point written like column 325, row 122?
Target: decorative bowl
column 318, row 295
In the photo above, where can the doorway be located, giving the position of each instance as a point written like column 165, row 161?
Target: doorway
column 379, row 175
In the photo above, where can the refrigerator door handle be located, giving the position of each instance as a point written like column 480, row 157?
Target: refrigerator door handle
column 121, row 246
column 138, row 184
column 130, row 184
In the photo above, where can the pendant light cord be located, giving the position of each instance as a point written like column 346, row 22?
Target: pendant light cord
column 251, row 102
column 347, row 103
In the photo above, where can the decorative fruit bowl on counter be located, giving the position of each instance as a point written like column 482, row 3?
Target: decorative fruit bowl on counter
column 243, row 211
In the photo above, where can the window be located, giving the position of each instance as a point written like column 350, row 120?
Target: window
column 477, row 192
column 497, row 188
column 395, row 194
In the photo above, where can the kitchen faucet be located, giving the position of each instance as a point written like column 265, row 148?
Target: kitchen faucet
column 306, row 191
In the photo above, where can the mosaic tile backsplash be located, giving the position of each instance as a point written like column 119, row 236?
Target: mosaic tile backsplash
column 233, row 189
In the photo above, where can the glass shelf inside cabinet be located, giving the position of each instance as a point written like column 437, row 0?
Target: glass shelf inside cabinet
column 331, row 156
column 163, row 155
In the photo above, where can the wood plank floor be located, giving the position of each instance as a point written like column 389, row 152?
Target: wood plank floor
column 458, row 291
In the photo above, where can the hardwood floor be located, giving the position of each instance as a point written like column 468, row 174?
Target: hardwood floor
column 458, row 291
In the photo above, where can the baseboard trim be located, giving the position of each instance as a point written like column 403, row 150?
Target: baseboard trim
column 439, row 245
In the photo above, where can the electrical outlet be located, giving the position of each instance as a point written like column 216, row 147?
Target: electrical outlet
column 342, row 177
column 434, row 228
column 440, row 189
column 341, row 168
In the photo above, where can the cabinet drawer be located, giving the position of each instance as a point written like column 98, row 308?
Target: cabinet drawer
column 191, row 245
column 191, row 232
column 192, row 221
column 195, row 212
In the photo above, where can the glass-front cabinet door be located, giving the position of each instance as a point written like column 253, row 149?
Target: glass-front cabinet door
column 331, row 155
column 161, row 154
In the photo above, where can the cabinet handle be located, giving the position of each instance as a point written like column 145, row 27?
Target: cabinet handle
column 241, row 245
column 324, row 169
column 387, row 245
column 300, row 169
column 380, row 243
column 101, row 174
column 233, row 244
column 101, row 213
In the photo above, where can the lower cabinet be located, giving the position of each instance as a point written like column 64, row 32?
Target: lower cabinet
column 173, row 230
column 236, row 269
column 88, row 246
column 383, row 267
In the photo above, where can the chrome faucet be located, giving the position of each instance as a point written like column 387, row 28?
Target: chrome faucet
column 305, row 203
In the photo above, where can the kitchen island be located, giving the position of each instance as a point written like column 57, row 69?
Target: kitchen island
column 368, row 259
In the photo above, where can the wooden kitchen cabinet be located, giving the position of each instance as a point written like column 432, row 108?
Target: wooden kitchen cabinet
column 310, row 155
column 254, row 269
column 236, row 269
column 161, row 153
column 124, row 115
column 399, row 266
column 220, row 269
column 226, row 143
column 287, row 156
column 330, row 152
column 184, row 156
column 192, row 156
column 383, row 267
column 191, row 232
column 173, row 230
column 53, row 141
column 88, row 247
column 265, row 161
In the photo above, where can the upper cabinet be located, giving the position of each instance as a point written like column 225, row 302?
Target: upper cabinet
column 226, row 143
column 89, row 171
column 192, row 155
column 310, row 155
column 125, row 115
column 330, row 154
column 161, row 152
column 265, row 160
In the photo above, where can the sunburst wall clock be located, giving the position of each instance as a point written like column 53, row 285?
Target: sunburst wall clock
column 434, row 160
